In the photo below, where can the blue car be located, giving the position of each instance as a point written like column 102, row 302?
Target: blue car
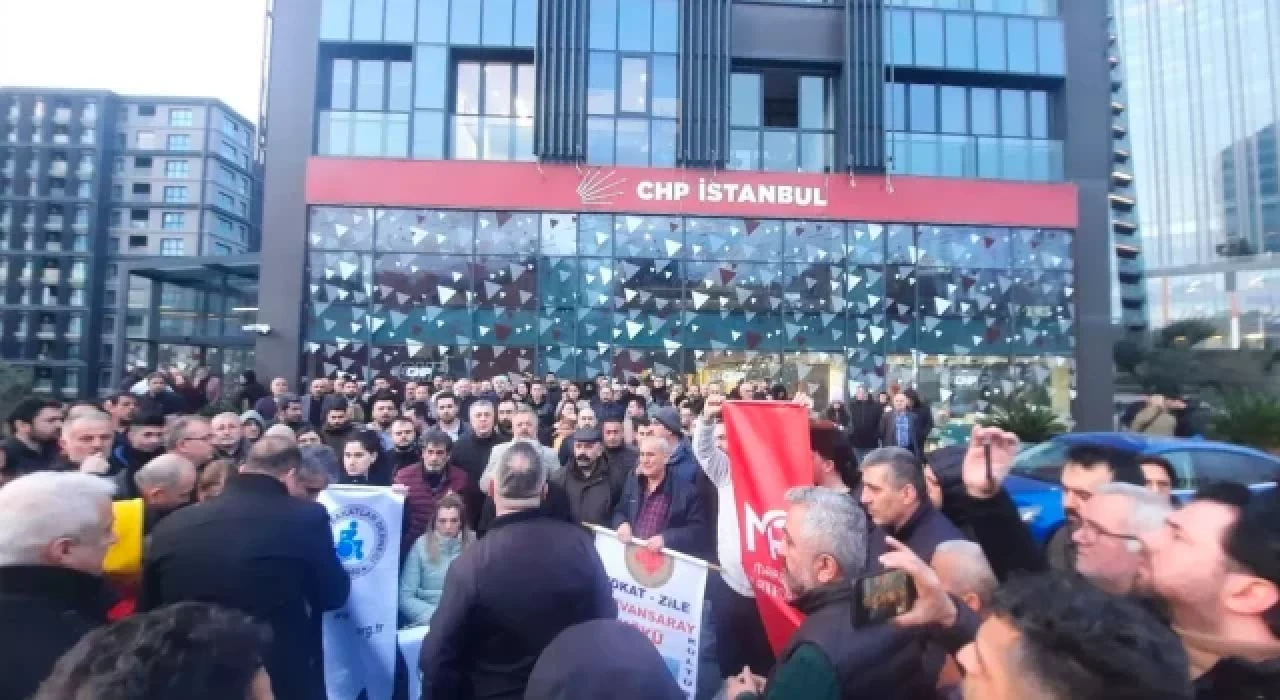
column 1035, row 482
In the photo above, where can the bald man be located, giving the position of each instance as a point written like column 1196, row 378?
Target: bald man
column 965, row 573
column 88, row 434
column 166, row 483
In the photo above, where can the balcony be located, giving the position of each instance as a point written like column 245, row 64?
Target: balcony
column 1117, row 107
column 14, row 113
column 1121, row 155
column 1119, row 131
column 21, row 330
column 53, row 223
column 62, row 115
column 1125, row 227
column 80, row 226
column 1121, row 178
column 58, row 168
column 1027, row 160
column 84, row 172
column 1120, row 201
column 47, row 332
column 24, row 277
column 51, row 276
column 9, row 169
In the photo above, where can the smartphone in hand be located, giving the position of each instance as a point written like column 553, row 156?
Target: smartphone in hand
column 883, row 597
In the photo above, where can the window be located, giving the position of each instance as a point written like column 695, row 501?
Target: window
column 136, row 242
column 175, row 194
column 173, row 221
column 117, row 217
column 122, row 140
column 791, row 119
column 225, row 201
column 179, row 142
column 380, row 93
column 181, row 117
column 493, row 111
column 142, row 163
column 108, row 324
column 1212, row 465
column 109, row 298
column 139, row 218
column 146, row 110
column 632, row 74
column 84, row 190
column 221, row 249
column 141, row 191
column 113, row 244
column 146, row 140
column 172, row 246
column 117, row 166
column 177, row 168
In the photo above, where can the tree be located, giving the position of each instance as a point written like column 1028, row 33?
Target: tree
column 1172, row 361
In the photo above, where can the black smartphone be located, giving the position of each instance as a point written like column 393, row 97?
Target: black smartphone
column 881, row 598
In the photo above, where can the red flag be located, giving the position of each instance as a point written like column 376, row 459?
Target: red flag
column 768, row 454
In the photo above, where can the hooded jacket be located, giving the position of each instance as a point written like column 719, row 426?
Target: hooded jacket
column 602, row 659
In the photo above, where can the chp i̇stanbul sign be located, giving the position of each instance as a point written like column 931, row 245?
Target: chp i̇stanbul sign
column 487, row 185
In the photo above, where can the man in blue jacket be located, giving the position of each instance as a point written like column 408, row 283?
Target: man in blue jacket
column 660, row 507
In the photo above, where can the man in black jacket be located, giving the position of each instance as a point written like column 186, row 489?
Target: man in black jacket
column 143, row 442
column 1216, row 564
column 160, row 398
column 592, row 483
column 34, row 427
column 895, row 496
column 471, row 454
column 55, row 530
column 259, row 550
column 616, row 449
column 864, row 422
column 511, row 593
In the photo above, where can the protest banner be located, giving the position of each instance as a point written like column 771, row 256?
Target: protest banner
column 660, row 594
column 768, row 454
column 360, row 638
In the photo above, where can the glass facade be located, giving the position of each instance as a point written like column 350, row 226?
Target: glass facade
column 1202, row 110
column 824, row 305
column 966, row 40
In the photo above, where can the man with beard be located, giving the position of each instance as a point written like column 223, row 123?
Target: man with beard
column 313, row 404
column 420, row 405
column 506, row 412
column 616, row 449
column 337, row 425
column 833, row 655
column 144, row 441
column 85, row 436
column 228, row 442
column 1216, row 565
column 351, row 392
column 1086, row 468
column 384, row 411
column 34, row 427
column 471, row 454
column 290, row 412
column 605, row 404
column 592, row 483
column 427, row 483
column 447, row 420
column 159, row 398
column 1108, row 538
column 404, row 443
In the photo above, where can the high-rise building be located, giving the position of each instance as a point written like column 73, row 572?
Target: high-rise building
column 1202, row 109
column 88, row 178
column 821, row 194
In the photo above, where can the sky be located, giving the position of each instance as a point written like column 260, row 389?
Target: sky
column 191, row 48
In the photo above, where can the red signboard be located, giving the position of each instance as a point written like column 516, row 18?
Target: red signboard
column 459, row 184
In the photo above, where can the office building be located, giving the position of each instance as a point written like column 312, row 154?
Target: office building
column 1202, row 110
column 89, row 179
column 823, row 195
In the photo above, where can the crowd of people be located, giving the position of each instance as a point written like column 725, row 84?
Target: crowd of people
column 149, row 551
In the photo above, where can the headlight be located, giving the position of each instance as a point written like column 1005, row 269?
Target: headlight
column 1029, row 513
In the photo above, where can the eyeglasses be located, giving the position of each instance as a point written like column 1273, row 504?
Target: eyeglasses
column 1096, row 531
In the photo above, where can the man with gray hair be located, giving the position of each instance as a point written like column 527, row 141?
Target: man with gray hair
column 509, row 594
column 965, row 573
column 834, row 653
column 471, row 453
column 55, row 530
column 1108, row 545
column 228, row 440
column 190, row 437
column 166, row 483
column 894, row 494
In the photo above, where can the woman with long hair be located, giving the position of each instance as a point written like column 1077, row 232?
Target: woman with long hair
column 422, row 581
column 363, row 463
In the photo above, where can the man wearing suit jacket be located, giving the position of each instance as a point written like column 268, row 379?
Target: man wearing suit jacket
column 901, row 428
column 259, row 550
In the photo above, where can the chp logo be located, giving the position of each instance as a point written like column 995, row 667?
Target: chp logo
column 649, row 569
column 360, row 538
column 770, row 528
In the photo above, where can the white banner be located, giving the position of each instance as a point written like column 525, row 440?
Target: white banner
column 360, row 639
column 659, row 594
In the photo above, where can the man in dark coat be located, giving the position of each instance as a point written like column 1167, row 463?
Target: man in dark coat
column 865, row 414
column 55, row 529
column 511, row 593
column 143, row 442
column 471, row 453
column 257, row 549
column 616, row 449
column 895, row 496
column 160, row 398
column 901, row 427
column 661, row 508
column 592, row 483
column 602, row 659
column 34, row 427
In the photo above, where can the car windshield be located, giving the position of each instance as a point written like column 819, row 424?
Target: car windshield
column 1042, row 462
